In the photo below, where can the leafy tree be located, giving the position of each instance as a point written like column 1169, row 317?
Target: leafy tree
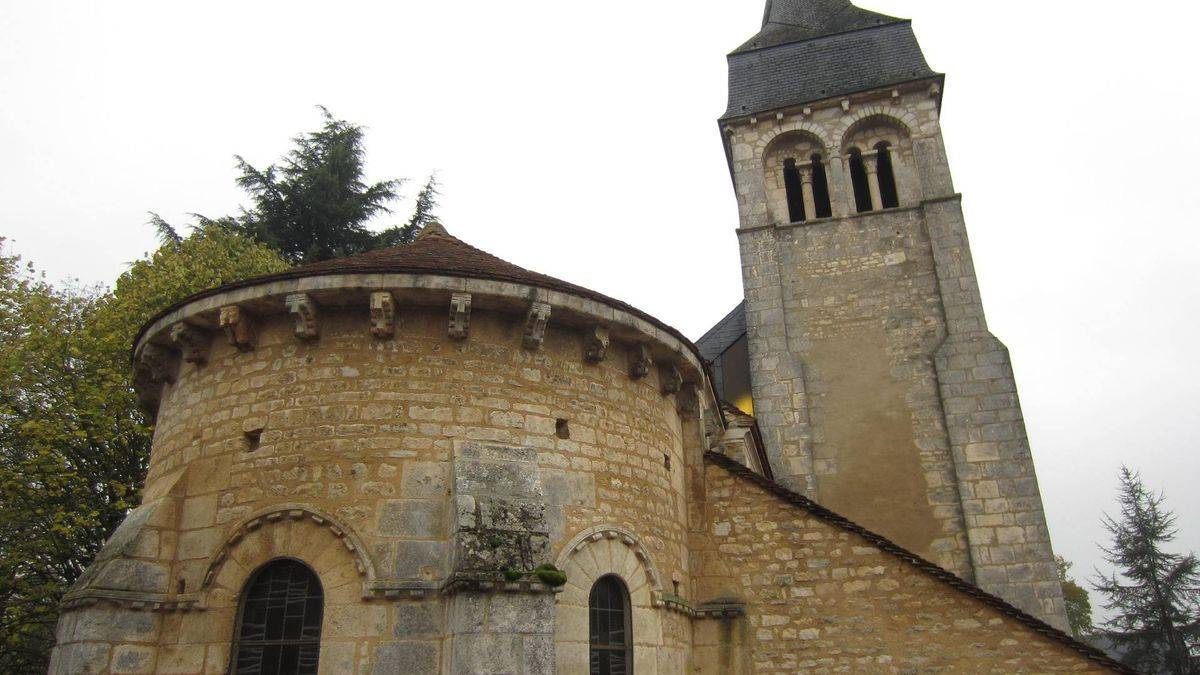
column 1079, row 606
column 1155, row 595
column 73, row 442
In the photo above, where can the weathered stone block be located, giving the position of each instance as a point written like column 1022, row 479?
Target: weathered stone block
column 413, row 518
column 406, row 657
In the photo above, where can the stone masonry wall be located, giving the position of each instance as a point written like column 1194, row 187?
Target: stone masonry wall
column 819, row 597
column 339, row 452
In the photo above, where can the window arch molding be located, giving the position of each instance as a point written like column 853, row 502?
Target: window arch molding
column 269, row 518
column 905, row 121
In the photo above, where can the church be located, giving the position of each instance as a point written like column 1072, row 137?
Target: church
column 426, row 459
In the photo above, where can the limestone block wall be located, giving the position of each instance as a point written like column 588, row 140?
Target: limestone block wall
column 821, row 597
column 878, row 388
column 349, row 453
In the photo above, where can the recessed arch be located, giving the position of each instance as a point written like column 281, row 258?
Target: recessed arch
column 281, row 513
column 905, row 121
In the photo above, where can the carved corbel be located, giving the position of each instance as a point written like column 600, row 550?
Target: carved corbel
column 193, row 342
column 596, row 345
column 460, row 316
column 148, row 393
column 302, row 305
column 158, row 362
column 640, row 362
column 535, row 325
column 239, row 328
column 687, row 401
column 669, row 379
column 383, row 314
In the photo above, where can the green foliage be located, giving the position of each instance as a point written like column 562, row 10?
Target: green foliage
column 73, row 442
column 1079, row 606
column 510, row 574
column 427, row 200
column 1154, row 595
column 315, row 204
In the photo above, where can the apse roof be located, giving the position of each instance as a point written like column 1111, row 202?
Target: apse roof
column 435, row 251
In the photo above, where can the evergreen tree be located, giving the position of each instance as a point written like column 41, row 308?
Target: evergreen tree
column 1079, row 606
column 427, row 200
column 315, row 204
column 1154, row 595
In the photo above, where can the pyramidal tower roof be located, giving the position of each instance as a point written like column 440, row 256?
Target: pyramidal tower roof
column 810, row 50
column 787, row 21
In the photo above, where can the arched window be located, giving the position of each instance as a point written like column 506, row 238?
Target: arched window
column 821, row 188
column 795, row 193
column 858, row 177
column 887, row 176
column 610, row 628
column 279, row 629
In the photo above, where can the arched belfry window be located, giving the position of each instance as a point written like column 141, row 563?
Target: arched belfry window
column 794, row 190
column 279, row 628
column 887, row 176
column 858, row 178
column 824, row 207
column 610, row 628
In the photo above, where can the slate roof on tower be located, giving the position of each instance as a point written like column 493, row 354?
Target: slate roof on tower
column 809, row 50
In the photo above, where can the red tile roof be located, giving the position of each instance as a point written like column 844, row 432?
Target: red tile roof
column 434, row 251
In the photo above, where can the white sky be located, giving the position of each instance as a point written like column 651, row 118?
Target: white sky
column 580, row 140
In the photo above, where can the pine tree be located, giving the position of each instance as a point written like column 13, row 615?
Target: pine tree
column 427, row 200
column 1154, row 595
column 315, row 204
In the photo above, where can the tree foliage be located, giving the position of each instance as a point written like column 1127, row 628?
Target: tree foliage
column 315, row 204
column 73, row 443
column 1079, row 606
column 1154, row 595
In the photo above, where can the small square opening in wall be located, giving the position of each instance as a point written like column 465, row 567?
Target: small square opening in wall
column 253, row 438
column 562, row 428
column 666, row 461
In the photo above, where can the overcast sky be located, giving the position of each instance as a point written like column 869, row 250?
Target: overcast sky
column 580, row 140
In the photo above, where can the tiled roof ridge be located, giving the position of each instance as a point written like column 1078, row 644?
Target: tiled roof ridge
column 945, row 576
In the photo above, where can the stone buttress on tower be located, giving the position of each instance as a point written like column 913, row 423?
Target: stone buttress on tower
column 879, row 390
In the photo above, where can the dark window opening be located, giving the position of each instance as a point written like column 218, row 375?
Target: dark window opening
column 279, row 630
column 253, row 439
column 180, row 586
column 609, row 628
column 821, row 188
column 562, row 428
column 666, row 461
column 795, row 195
column 887, row 176
column 858, row 178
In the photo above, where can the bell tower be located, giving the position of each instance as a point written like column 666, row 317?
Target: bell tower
column 879, row 390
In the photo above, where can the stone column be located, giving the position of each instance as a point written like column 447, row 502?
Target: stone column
column 806, row 189
column 837, row 187
column 871, row 164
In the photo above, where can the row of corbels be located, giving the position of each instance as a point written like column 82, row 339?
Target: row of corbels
column 155, row 364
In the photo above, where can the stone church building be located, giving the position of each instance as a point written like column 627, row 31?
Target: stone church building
column 425, row 459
